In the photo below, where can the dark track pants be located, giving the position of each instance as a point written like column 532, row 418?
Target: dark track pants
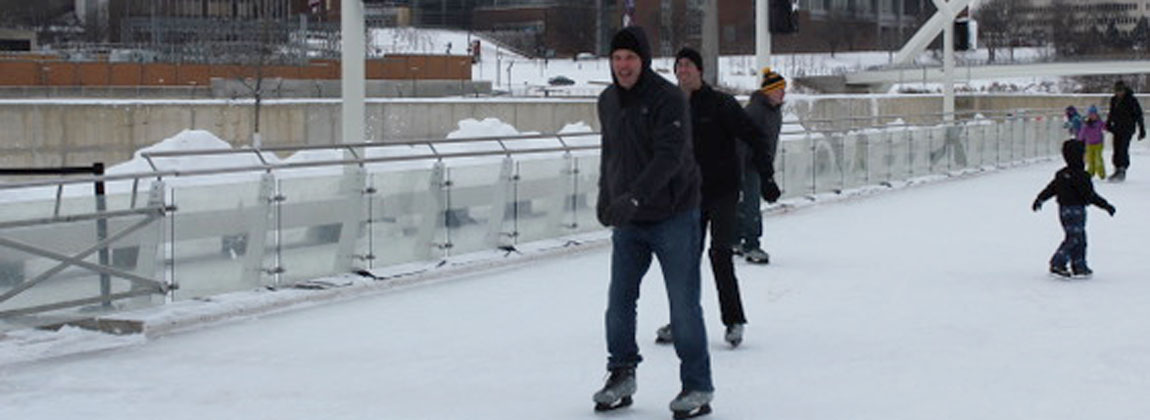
column 721, row 216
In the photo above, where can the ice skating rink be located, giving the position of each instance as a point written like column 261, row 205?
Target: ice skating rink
column 928, row 302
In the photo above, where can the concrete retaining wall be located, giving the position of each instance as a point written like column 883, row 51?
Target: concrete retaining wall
column 79, row 132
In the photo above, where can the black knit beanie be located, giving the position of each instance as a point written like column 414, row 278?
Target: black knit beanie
column 690, row 54
column 633, row 38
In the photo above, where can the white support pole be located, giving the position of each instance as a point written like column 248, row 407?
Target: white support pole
column 947, row 60
column 711, row 42
column 353, row 81
column 762, row 34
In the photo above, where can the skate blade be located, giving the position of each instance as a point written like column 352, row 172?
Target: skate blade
column 734, row 343
column 690, row 414
column 623, row 402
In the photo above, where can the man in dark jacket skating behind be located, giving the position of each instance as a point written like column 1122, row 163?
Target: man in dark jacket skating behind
column 649, row 195
column 1125, row 115
column 717, row 121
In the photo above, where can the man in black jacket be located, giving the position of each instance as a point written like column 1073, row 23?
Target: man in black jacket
column 649, row 195
column 1125, row 114
column 717, row 121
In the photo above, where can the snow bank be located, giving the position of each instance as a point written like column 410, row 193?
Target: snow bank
column 488, row 127
column 184, row 141
column 577, row 127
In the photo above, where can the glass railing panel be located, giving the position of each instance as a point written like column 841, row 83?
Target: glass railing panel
column 857, row 163
column 940, row 154
column 921, row 145
column 213, row 239
column 317, row 225
column 898, row 155
column 581, row 204
column 830, row 163
column 407, row 222
column 794, row 168
column 542, row 189
column 477, row 200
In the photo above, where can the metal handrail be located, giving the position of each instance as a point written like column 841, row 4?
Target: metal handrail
column 1006, row 113
column 295, row 165
column 365, row 145
column 885, row 125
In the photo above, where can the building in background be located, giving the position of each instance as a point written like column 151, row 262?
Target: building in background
column 538, row 28
column 17, row 40
column 824, row 25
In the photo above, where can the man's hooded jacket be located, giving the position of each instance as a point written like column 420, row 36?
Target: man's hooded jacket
column 646, row 143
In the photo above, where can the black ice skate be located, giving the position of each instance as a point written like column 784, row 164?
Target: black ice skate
column 734, row 335
column 1083, row 273
column 1060, row 272
column 690, row 404
column 757, row 256
column 663, row 335
column 1118, row 176
column 616, row 393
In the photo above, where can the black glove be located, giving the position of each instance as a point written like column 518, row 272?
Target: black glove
column 1037, row 205
column 1141, row 134
column 770, row 190
column 621, row 210
column 1110, row 209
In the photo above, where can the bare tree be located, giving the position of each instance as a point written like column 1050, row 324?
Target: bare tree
column 1063, row 28
column 838, row 32
column 1000, row 23
column 1140, row 35
column 254, row 70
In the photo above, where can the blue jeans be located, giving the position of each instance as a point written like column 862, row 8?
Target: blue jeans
column 675, row 242
column 749, row 216
column 1073, row 247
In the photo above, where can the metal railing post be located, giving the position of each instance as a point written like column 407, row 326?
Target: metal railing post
column 102, row 234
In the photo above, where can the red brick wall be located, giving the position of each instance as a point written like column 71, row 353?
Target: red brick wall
column 64, row 73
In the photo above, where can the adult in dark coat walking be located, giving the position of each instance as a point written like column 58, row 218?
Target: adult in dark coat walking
column 717, row 121
column 649, row 195
column 1125, row 114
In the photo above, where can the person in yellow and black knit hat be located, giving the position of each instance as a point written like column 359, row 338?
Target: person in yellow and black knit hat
column 765, row 110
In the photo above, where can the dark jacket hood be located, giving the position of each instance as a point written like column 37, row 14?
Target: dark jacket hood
column 635, row 39
column 1072, row 152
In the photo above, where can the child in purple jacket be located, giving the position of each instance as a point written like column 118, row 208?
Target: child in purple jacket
column 1091, row 134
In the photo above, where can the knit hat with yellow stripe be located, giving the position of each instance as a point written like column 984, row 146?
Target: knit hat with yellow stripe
column 772, row 81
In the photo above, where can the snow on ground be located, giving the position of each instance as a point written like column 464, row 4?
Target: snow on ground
column 429, row 41
column 930, row 302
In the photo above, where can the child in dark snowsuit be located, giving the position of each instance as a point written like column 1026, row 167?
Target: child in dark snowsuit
column 1074, row 190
